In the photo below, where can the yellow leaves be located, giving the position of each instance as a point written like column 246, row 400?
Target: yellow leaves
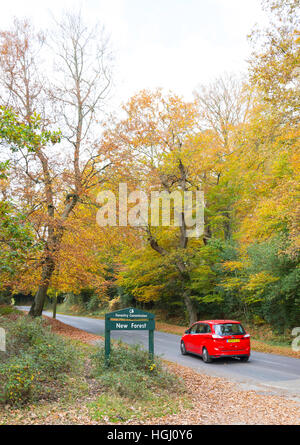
column 233, row 265
column 256, row 285
column 250, row 288
column 148, row 293
column 259, row 281
column 264, row 220
column 232, row 283
column 152, row 367
column 212, row 298
column 267, row 172
column 157, row 131
column 272, row 213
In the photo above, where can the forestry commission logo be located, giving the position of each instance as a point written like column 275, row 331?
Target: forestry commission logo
column 2, row 340
column 178, row 208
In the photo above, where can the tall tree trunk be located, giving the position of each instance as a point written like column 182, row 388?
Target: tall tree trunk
column 190, row 307
column 227, row 225
column 184, row 275
column 49, row 264
column 40, row 297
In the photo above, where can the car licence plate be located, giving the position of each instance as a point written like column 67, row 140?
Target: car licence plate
column 233, row 340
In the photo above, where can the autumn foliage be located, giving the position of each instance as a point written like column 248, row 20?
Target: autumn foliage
column 237, row 141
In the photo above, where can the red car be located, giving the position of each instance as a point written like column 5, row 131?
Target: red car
column 216, row 338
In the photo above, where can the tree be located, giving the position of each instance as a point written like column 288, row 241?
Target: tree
column 53, row 189
column 266, row 168
column 270, row 140
column 158, row 135
column 274, row 65
column 224, row 106
column 16, row 234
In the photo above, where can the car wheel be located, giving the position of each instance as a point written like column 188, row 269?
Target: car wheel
column 182, row 348
column 205, row 356
column 245, row 358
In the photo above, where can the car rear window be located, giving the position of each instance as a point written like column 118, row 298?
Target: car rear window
column 229, row 329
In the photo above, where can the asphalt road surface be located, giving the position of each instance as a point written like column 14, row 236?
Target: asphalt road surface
column 266, row 373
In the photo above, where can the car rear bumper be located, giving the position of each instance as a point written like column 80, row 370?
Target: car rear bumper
column 217, row 350
column 231, row 354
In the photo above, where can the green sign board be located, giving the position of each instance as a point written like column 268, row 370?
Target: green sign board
column 130, row 319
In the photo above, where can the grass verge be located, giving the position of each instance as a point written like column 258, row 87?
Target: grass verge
column 136, row 389
column 37, row 364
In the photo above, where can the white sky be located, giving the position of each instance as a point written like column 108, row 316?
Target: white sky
column 174, row 44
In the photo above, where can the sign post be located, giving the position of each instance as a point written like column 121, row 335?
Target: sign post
column 130, row 319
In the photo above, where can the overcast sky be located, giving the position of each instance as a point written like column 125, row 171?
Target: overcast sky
column 174, row 44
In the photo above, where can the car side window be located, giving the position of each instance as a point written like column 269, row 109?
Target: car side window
column 193, row 329
column 200, row 328
column 203, row 329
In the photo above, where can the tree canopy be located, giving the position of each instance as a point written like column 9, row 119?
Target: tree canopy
column 236, row 143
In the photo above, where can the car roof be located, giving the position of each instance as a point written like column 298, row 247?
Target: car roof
column 217, row 321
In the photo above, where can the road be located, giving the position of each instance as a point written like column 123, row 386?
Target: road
column 266, row 373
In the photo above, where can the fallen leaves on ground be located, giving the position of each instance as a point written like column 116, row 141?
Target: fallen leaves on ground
column 69, row 331
column 260, row 346
column 216, row 401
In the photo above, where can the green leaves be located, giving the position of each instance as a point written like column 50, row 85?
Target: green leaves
column 16, row 239
column 16, row 235
column 19, row 134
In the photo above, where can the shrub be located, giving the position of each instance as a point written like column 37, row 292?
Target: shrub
column 7, row 310
column 135, row 388
column 35, row 357
column 93, row 303
column 132, row 375
column 18, row 376
column 54, row 356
